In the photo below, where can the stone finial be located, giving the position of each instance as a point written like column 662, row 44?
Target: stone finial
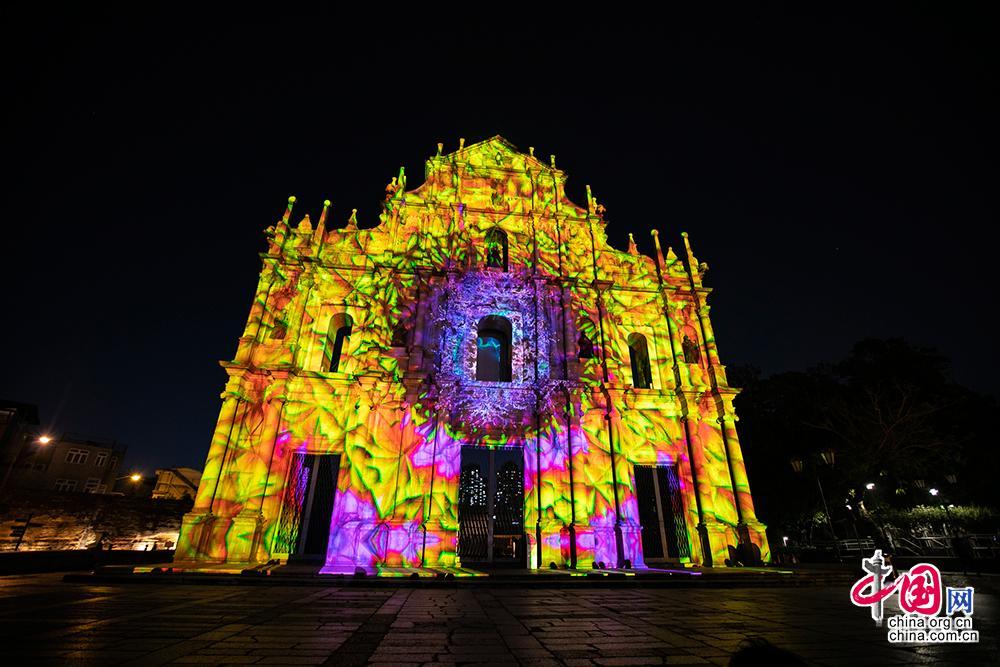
column 440, row 148
column 322, row 215
column 321, row 225
column 632, row 247
column 461, row 143
column 552, row 161
column 305, row 224
column 656, row 248
column 352, row 222
column 531, row 151
column 690, row 253
column 288, row 209
column 694, row 266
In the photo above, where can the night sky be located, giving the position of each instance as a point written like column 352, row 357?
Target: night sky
column 837, row 173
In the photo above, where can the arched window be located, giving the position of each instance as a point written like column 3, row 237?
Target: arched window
column 493, row 349
column 642, row 376
column 496, row 248
column 691, row 354
column 585, row 347
column 337, row 337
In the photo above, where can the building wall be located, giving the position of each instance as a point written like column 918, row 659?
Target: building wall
column 70, row 464
column 18, row 424
column 176, row 483
column 398, row 415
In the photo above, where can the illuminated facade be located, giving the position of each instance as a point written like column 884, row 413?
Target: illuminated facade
column 393, row 382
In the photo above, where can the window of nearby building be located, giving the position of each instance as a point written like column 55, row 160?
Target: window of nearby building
column 338, row 336
column 642, row 376
column 77, row 456
column 65, row 485
column 114, row 463
column 496, row 248
column 91, row 485
column 102, row 488
column 100, row 459
column 493, row 349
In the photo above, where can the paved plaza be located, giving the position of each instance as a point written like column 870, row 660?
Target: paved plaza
column 44, row 620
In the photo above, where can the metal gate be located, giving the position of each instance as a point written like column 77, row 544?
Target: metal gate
column 307, row 505
column 661, row 512
column 491, row 506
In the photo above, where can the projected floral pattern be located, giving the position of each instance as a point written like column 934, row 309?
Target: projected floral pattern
column 489, row 234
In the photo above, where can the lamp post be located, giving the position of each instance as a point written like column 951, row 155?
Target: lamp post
column 133, row 477
column 827, row 456
column 936, row 493
column 41, row 440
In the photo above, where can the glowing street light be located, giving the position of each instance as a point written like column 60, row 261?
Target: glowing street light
column 19, row 453
column 135, row 477
column 870, row 485
column 933, row 492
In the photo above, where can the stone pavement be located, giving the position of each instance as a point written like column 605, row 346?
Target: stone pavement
column 44, row 620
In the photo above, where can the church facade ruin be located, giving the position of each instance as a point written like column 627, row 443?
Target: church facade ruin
column 478, row 379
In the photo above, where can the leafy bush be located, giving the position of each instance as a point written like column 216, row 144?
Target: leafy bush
column 925, row 517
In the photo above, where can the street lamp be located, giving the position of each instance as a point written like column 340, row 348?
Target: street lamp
column 827, row 457
column 870, row 486
column 133, row 476
column 40, row 440
column 947, row 507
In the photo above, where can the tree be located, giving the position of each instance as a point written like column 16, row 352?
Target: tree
column 891, row 414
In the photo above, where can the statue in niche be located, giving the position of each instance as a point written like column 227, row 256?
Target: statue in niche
column 280, row 328
column 691, row 353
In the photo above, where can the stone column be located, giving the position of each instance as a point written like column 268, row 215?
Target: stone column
column 750, row 529
column 712, row 534
column 196, row 525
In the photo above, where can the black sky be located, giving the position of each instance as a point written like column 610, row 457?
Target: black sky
column 837, row 172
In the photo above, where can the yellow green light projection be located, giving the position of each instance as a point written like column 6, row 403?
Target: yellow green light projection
column 393, row 380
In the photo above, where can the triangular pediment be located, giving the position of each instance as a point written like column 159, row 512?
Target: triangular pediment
column 495, row 152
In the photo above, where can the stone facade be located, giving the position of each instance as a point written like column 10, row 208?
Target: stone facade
column 361, row 393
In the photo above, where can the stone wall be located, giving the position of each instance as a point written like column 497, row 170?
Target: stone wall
column 78, row 520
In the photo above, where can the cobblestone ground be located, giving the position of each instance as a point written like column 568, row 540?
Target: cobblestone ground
column 43, row 620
